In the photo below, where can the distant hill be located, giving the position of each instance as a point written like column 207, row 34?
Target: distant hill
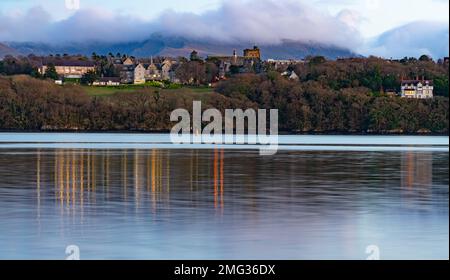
column 286, row 50
column 5, row 50
column 178, row 46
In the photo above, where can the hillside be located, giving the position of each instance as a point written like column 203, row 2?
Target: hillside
column 5, row 50
column 41, row 105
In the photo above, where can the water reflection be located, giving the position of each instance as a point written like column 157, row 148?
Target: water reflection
column 223, row 203
column 144, row 177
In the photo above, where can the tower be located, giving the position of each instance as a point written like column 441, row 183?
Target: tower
column 254, row 53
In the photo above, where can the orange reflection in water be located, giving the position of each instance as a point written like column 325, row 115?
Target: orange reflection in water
column 218, row 178
column 80, row 177
column 416, row 176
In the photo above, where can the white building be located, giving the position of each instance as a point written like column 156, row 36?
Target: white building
column 74, row 69
column 283, row 64
column 139, row 74
column 421, row 89
column 107, row 81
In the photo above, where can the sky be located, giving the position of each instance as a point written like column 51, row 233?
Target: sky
column 368, row 26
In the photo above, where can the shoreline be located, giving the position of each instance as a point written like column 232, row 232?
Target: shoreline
column 285, row 133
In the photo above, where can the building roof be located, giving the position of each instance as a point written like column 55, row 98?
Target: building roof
column 128, row 61
column 69, row 63
column 156, row 66
column 415, row 82
column 118, row 61
column 255, row 48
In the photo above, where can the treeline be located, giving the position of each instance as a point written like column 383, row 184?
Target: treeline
column 20, row 65
column 343, row 96
column 32, row 104
column 378, row 75
column 28, row 65
column 313, row 106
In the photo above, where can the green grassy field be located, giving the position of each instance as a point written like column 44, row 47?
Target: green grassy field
column 108, row 91
column 105, row 91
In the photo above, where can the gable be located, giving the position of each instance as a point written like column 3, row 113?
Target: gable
column 128, row 61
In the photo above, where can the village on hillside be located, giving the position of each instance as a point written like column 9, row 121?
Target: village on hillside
column 115, row 70
column 121, row 69
column 316, row 94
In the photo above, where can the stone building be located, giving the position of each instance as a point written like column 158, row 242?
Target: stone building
column 153, row 71
column 250, row 62
column 68, row 68
column 134, row 72
column 253, row 53
column 126, row 74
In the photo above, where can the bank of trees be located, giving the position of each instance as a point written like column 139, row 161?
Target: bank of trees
column 33, row 104
column 18, row 65
column 344, row 96
column 28, row 65
column 376, row 74
column 312, row 106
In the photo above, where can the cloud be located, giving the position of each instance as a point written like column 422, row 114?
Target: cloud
column 24, row 26
column 263, row 22
column 413, row 39
column 351, row 18
column 36, row 25
column 255, row 21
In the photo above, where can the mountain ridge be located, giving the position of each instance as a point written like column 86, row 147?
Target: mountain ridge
column 178, row 46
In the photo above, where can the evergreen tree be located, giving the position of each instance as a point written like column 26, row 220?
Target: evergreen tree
column 51, row 73
column 89, row 78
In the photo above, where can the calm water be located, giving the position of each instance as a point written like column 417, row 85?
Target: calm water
column 138, row 197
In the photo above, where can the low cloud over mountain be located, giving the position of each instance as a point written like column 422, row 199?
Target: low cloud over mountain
column 413, row 39
column 255, row 21
column 268, row 23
